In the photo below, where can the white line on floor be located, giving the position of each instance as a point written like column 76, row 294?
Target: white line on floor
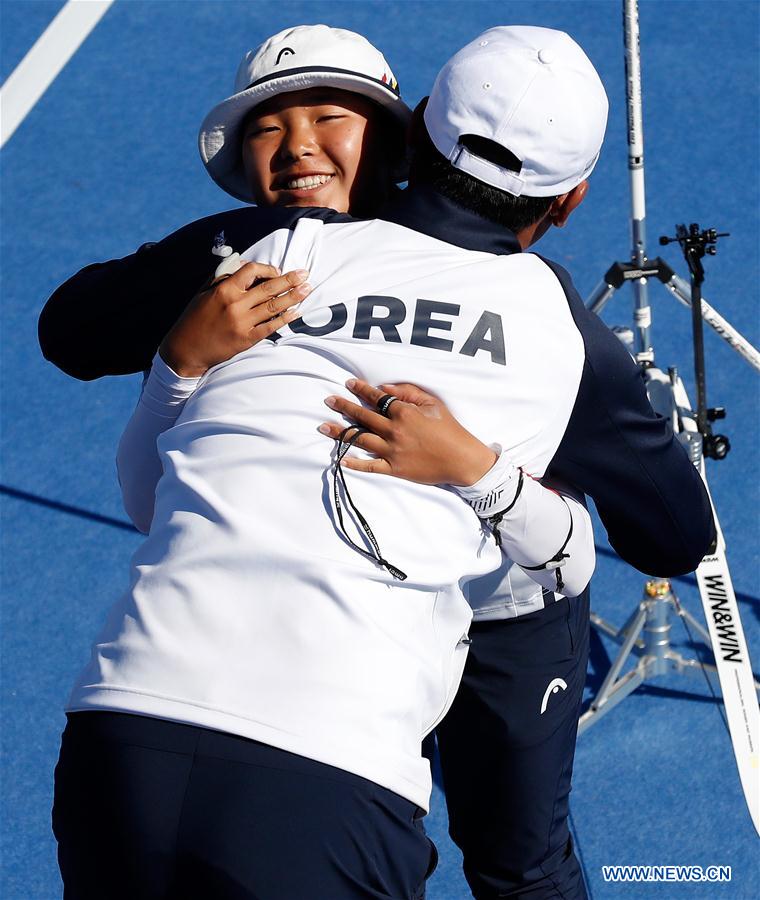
column 39, row 68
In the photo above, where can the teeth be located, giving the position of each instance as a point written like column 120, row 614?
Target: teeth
column 309, row 181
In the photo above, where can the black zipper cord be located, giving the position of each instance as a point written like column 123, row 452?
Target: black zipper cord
column 344, row 445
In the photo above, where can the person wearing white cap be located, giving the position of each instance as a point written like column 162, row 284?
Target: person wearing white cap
column 531, row 373
column 512, row 130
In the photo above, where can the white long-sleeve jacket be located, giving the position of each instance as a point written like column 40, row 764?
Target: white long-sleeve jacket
column 250, row 609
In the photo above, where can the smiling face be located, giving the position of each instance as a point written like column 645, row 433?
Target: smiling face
column 317, row 147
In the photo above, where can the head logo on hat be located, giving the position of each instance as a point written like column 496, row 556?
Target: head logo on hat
column 530, row 91
column 293, row 60
column 286, row 51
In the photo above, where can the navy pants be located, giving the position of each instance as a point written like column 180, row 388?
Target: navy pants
column 507, row 748
column 147, row 809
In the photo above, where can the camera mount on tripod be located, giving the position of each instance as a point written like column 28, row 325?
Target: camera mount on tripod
column 695, row 243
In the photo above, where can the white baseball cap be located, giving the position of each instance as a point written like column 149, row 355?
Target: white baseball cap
column 530, row 90
column 293, row 60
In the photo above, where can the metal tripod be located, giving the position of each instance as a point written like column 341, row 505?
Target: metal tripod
column 646, row 633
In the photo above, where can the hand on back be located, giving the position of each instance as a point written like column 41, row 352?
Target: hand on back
column 418, row 439
column 231, row 315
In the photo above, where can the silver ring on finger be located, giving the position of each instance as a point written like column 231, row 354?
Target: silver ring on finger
column 384, row 404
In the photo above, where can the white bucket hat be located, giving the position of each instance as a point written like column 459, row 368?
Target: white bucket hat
column 293, row 60
column 532, row 91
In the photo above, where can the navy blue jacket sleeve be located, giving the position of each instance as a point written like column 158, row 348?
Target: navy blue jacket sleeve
column 110, row 317
column 616, row 449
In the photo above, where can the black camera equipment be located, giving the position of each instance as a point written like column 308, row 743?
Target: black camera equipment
column 695, row 243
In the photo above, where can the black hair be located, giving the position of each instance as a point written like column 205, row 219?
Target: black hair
column 431, row 168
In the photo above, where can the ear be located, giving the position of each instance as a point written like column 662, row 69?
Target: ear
column 559, row 211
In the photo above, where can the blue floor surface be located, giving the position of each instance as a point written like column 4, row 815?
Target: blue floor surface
column 107, row 159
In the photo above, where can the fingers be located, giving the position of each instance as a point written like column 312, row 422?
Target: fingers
column 365, row 417
column 266, row 310
column 365, row 391
column 255, row 283
column 372, row 443
column 264, row 329
column 262, row 309
column 248, row 273
column 273, row 287
column 376, row 466
column 271, row 298
column 409, row 393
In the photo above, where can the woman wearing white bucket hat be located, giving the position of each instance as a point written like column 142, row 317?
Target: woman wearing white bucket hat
column 368, row 135
column 315, row 119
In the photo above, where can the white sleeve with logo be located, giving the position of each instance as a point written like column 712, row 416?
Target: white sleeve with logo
column 546, row 531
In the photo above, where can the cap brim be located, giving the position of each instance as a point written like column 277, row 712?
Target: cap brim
column 219, row 139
